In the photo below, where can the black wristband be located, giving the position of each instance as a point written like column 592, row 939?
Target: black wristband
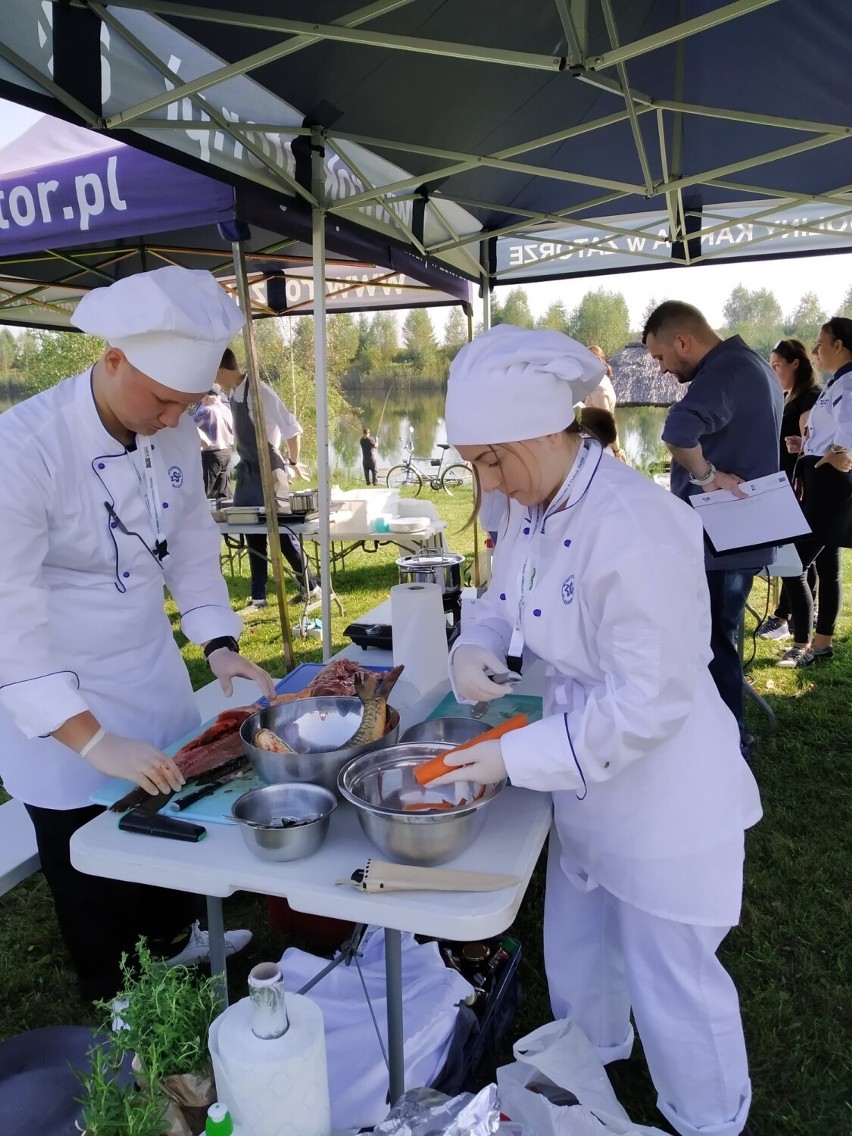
column 223, row 641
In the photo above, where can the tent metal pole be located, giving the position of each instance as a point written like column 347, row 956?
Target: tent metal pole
column 253, row 377
column 321, row 382
column 486, row 291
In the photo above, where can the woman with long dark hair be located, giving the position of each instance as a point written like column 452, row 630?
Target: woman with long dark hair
column 792, row 365
column 824, row 477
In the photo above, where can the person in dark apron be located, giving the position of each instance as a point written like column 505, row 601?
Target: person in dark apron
column 249, row 488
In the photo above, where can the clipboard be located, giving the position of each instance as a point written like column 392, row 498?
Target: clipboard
column 769, row 515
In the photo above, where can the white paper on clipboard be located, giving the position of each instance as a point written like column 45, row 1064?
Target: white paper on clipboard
column 769, row 514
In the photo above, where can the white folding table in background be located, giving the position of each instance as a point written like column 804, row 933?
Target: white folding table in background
column 511, row 840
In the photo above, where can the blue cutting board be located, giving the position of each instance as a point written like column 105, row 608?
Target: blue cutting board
column 216, row 809
column 499, row 711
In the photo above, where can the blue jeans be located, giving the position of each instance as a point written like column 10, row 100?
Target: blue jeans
column 729, row 590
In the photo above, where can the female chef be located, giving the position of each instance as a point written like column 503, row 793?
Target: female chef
column 105, row 508
column 600, row 574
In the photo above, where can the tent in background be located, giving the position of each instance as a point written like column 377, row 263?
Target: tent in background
column 79, row 210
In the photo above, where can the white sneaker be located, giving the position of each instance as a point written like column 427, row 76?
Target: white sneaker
column 774, row 628
column 198, row 948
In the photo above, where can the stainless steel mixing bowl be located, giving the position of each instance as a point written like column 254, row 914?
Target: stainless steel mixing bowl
column 284, row 822
column 315, row 728
column 449, row 731
column 380, row 783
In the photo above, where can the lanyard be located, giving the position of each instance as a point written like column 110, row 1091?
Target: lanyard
column 528, row 570
column 151, row 495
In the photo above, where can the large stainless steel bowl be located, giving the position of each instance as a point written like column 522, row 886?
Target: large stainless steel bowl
column 449, row 731
column 284, row 822
column 315, row 728
column 380, row 785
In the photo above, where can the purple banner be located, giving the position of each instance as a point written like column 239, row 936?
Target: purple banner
column 101, row 196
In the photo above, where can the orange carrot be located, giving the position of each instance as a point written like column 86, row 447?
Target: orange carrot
column 435, row 766
column 424, row 806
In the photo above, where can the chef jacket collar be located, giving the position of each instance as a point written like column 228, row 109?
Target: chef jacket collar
column 577, row 481
column 96, row 433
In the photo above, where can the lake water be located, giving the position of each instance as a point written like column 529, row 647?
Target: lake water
column 390, row 412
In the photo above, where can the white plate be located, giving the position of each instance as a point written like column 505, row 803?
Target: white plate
column 408, row 524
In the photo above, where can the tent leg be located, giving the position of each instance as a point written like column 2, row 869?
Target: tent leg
column 321, row 383
column 269, row 501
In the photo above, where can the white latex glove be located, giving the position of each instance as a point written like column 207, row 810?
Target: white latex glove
column 468, row 666
column 135, row 761
column 482, row 763
column 227, row 665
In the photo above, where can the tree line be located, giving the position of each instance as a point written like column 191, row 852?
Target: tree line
column 374, row 350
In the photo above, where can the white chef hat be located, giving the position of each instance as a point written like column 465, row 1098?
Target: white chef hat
column 172, row 324
column 511, row 384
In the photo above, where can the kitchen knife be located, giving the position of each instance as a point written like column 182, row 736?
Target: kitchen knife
column 182, row 803
column 506, row 677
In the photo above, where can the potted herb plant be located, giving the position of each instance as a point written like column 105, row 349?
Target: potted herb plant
column 162, row 1016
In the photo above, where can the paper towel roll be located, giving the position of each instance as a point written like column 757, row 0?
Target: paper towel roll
column 275, row 1087
column 419, row 634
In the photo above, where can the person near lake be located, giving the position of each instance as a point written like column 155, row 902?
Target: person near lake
column 105, row 510
column 368, row 456
column 790, row 361
column 600, row 575
column 215, row 426
column 281, row 429
column 824, row 475
column 722, row 432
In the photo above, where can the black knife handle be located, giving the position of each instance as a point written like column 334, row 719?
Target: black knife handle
column 184, row 802
column 158, row 825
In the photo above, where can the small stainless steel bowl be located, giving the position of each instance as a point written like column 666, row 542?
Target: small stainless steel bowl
column 315, row 728
column 448, row 731
column 381, row 783
column 284, row 822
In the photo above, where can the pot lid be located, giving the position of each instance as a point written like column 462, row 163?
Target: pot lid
column 430, row 558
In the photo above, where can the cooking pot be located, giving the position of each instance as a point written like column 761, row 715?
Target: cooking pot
column 432, row 566
column 305, row 501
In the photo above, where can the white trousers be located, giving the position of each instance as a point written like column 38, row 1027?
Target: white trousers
column 603, row 956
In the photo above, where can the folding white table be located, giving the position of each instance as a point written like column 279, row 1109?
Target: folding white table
column 511, row 840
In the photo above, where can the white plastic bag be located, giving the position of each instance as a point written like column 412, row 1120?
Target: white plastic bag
column 560, row 1055
column 357, row 1076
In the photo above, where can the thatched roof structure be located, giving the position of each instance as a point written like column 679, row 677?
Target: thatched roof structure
column 637, row 379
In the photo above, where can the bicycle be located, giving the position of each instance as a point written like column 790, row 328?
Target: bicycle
column 408, row 476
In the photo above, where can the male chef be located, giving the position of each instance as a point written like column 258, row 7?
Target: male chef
column 106, row 509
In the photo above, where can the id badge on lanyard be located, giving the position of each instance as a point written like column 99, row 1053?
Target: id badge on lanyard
column 148, row 485
column 528, row 572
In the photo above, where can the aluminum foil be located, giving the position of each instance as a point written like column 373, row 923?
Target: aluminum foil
column 425, row 1112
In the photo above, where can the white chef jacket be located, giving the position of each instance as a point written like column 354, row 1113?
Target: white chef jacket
column 281, row 425
column 830, row 421
column 651, row 794
column 82, row 619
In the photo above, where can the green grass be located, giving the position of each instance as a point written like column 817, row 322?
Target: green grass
column 791, row 957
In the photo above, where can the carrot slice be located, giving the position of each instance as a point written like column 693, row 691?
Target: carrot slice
column 424, row 806
column 435, row 766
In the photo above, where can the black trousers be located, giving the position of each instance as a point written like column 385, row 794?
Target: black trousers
column 292, row 553
column 370, row 472
column 99, row 919
column 801, row 597
column 216, row 467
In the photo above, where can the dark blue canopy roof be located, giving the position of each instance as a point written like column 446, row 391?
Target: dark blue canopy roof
column 453, row 125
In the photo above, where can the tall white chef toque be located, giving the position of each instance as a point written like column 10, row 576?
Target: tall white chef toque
column 511, row 384
column 172, row 324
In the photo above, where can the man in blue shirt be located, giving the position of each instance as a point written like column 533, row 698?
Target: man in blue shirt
column 724, row 431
